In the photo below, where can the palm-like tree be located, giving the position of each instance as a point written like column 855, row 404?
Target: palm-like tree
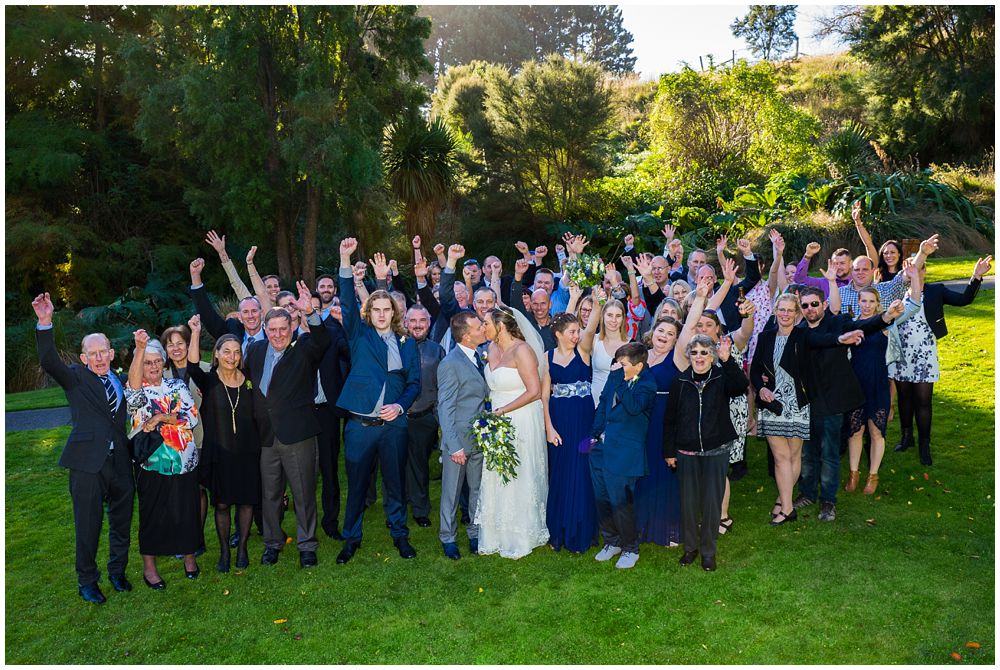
column 419, row 159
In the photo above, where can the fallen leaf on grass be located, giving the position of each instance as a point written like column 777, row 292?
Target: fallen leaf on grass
column 955, row 655
column 481, row 589
column 908, row 502
column 760, row 490
column 926, row 476
column 892, row 471
column 704, row 646
column 919, row 488
column 297, row 636
column 961, row 446
column 938, row 514
column 225, row 592
column 288, row 540
column 870, row 522
column 281, row 621
column 972, row 645
column 912, row 478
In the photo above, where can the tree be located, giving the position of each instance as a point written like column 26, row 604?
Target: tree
column 278, row 111
column 769, row 30
column 420, row 164
column 931, row 84
column 552, row 120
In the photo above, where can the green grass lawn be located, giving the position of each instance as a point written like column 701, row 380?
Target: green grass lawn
column 955, row 267
column 905, row 577
column 38, row 399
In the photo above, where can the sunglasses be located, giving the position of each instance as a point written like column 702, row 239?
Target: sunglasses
column 810, row 304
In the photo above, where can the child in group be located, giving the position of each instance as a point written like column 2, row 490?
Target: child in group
column 618, row 456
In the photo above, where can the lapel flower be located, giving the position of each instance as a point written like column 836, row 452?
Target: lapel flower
column 249, row 385
column 485, row 355
column 402, row 339
column 118, row 371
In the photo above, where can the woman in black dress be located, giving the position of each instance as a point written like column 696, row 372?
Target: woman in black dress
column 232, row 445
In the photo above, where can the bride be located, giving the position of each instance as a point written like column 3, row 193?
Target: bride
column 511, row 517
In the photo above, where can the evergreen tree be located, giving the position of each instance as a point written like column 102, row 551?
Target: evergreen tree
column 769, row 30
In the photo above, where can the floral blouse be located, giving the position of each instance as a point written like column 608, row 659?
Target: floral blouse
column 178, row 454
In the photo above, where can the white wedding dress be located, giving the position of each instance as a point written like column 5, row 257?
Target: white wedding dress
column 511, row 517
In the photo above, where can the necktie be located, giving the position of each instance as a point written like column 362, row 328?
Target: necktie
column 479, row 364
column 109, row 390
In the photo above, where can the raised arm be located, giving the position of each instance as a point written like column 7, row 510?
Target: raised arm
column 866, row 239
column 258, row 284
column 728, row 279
column 358, row 274
column 520, row 267
column 691, row 323
column 211, row 319
column 349, row 313
column 219, row 244
column 449, row 304
column 48, row 357
column 777, row 282
column 135, row 369
column 830, row 275
column 596, row 314
column 742, row 336
column 968, row 294
column 424, row 291
column 194, row 353
column 633, row 281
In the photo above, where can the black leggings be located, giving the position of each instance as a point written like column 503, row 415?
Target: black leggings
column 915, row 398
column 244, row 518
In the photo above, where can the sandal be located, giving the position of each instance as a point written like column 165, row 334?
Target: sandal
column 725, row 525
column 781, row 518
column 776, row 510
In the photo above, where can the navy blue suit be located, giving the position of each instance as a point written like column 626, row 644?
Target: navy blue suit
column 619, row 459
column 386, row 442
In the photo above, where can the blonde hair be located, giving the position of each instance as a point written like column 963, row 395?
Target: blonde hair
column 788, row 297
column 396, row 325
column 623, row 329
column 878, row 299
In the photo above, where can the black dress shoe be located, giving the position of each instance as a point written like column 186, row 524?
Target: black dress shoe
column 242, row 559
column 688, row 557
column 307, row 559
column 451, row 550
column 405, row 549
column 223, row 564
column 905, row 442
column 158, row 586
column 192, row 574
column 347, row 553
column 708, row 563
column 120, row 583
column 270, row 556
column 92, row 594
column 422, row 521
column 474, row 545
column 333, row 533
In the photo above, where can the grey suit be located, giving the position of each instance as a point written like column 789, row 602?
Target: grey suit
column 462, row 392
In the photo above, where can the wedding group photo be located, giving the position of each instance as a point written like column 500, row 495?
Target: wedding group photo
column 520, row 334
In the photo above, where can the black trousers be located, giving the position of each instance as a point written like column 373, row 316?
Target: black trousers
column 703, row 484
column 113, row 485
column 363, row 446
column 422, row 434
column 615, row 499
column 328, row 445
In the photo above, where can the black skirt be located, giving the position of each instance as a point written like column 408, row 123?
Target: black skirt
column 235, row 476
column 169, row 514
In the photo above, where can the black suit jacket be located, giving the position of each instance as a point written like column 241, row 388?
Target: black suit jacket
column 937, row 295
column 335, row 364
column 730, row 312
column 288, row 411
column 212, row 320
column 94, row 426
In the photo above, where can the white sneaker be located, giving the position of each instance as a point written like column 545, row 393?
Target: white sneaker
column 627, row 560
column 607, row 553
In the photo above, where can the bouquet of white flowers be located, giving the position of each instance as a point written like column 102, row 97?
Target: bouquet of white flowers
column 585, row 270
column 494, row 435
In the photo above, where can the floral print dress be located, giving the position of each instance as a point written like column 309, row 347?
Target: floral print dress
column 918, row 361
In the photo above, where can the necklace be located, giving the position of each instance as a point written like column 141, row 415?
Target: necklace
column 233, row 405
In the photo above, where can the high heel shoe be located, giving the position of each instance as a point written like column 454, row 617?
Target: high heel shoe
column 871, row 484
column 158, row 586
column 242, row 559
column 192, row 574
column 852, row 481
column 223, row 564
column 783, row 518
column 776, row 510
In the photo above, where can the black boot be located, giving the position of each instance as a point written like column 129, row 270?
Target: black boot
column 925, row 453
column 905, row 441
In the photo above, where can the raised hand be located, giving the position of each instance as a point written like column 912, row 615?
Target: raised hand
column 856, row 212
column 420, row 267
column 704, row 288
column 812, row 249
column 560, row 250
column 852, row 338
column 522, row 247
column 439, row 250
column 217, row 243
column 628, row 263
column 455, row 252
column 42, row 305
column 575, row 292
column 720, row 245
column 746, row 308
column 577, row 244
column 541, row 251
column 304, row 302
column 599, row 294
column 415, row 241
column 983, row 266
column 725, row 347
column 643, row 265
column 629, row 240
column 830, row 273
column 251, row 254
column 197, row 265
column 895, row 309
column 669, row 232
column 743, row 244
column 567, row 238
column 778, row 244
column 141, row 339
column 467, row 273
column 729, row 270
column 348, row 246
column 520, row 267
column 930, row 245
column 358, row 270
column 393, row 267
column 379, row 265
column 194, row 323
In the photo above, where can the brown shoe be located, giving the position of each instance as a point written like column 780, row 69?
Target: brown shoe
column 871, row 484
column 852, row 481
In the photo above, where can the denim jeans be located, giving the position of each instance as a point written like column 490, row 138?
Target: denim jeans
column 821, row 458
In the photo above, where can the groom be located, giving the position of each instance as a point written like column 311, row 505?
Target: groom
column 462, row 392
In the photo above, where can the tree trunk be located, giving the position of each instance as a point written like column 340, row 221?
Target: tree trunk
column 313, row 197
column 283, row 246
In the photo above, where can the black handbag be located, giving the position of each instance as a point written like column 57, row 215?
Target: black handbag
column 144, row 444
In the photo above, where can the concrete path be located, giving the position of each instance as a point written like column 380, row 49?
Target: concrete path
column 37, row 418
column 988, row 283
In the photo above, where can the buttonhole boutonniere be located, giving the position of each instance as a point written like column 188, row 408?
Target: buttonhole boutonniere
column 249, row 385
column 402, row 339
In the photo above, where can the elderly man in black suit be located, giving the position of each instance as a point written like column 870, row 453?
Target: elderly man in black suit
column 284, row 379
column 96, row 453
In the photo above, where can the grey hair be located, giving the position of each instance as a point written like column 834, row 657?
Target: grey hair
column 154, row 347
column 704, row 341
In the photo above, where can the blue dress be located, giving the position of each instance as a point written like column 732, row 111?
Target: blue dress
column 868, row 361
column 658, row 494
column 571, row 513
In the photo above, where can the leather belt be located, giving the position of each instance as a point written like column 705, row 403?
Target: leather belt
column 368, row 421
column 417, row 415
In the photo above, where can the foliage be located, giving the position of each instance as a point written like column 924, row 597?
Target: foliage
column 493, row 610
column 769, row 30
column 731, row 121
column 419, row 162
column 511, row 35
column 931, row 84
column 830, row 87
column 849, row 150
column 550, row 121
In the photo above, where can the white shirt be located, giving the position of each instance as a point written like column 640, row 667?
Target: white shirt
column 470, row 353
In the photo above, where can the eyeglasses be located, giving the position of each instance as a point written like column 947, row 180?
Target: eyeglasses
column 100, row 353
column 701, row 352
column 153, row 363
column 810, row 304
